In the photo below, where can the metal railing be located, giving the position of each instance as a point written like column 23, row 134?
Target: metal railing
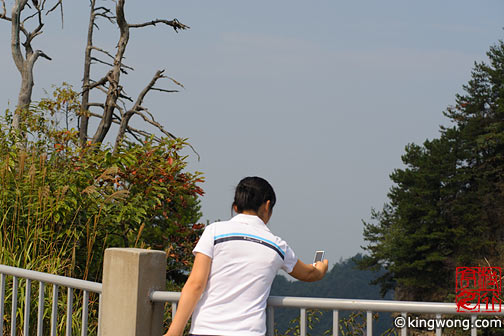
column 43, row 279
column 302, row 303
column 336, row 305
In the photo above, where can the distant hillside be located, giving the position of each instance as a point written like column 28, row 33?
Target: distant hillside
column 343, row 281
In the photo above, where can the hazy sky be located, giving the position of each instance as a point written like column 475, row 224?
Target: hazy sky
column 318, row 97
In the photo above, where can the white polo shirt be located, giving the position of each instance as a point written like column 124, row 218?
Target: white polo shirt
column 245, row 259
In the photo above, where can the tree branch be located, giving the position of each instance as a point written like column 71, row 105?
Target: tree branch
column 164, row 90
column 124, row 96
column 116, row 119
column 42, row 54
column 144, row 133
column 100, row 61
column 136, row 107
column 6, row 18
column 4, row 11
column 175, row 24
column 96, row 105
column 104, row 9
column 111, row 18
column 53, row 8
column 121, row 111
column 60, row 4
column 31, row 16
column 95, row 84
column 134, row 135
column 102, row 50
column 110, row 55
column 37, row 31
column 141, row 96
column 110, row 64
column 156, row 124
column 129, row 129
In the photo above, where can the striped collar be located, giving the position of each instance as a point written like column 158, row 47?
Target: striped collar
column 251, row 220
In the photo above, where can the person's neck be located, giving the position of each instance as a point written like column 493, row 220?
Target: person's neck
column 254, row 213
column 250, row 212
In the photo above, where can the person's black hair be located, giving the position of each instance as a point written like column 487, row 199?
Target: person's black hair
column 252, row 192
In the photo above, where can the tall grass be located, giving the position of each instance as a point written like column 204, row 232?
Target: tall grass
column 38, row 226
column 29, row 235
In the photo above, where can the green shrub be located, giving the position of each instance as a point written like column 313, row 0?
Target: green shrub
column 63, row 204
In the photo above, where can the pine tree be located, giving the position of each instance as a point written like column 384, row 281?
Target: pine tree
column 446, row 208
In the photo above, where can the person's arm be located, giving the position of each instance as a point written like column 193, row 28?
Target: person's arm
column 191, row 293
column 309, row 273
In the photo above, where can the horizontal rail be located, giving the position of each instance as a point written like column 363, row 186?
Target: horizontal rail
column 163, row 296
column 369, row 305
column 90, row 286
column 345, row 304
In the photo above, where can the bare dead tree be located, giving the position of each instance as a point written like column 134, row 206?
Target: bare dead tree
column 84, row 116
column 95, row 12
column 26, row 62
column 113, row 108
column 110, row 82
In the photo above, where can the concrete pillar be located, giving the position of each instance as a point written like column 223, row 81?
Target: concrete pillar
column 129, row 275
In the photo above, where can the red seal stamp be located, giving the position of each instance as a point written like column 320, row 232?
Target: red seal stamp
column 478, row 289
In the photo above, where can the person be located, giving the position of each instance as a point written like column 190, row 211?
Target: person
column 234, row 266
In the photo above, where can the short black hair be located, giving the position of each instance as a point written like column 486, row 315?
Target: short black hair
column 252, row 192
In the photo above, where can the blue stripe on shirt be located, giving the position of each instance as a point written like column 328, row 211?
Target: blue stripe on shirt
column 249, row 235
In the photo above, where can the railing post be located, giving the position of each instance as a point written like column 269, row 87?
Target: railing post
column 404, row 330
column 270, row 320
column 369, row 323
column 438, row 330
column 302, row 322
column 129, row 275
column 474, row 331
column 335, row 323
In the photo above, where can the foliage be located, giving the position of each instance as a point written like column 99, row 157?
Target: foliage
column 93, row 197
column 446, row 208
column 62, row 204
column 353, row 324
column 312, row 318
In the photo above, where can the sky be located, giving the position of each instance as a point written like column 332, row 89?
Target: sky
column 320, row 97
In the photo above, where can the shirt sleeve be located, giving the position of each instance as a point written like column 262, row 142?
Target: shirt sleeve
column 290, row 260
column 205, row 244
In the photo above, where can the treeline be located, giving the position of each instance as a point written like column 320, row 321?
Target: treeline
column 343, row 281
column 446, row 207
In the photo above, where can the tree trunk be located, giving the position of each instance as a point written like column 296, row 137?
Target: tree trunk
column 114, row 89
column 24, row 97
column 84, row 117
column 24, row 64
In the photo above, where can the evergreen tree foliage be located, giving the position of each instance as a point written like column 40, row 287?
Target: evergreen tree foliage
column 446, row 207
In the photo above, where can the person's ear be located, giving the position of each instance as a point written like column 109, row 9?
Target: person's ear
column 235, row 208
column 267, row 206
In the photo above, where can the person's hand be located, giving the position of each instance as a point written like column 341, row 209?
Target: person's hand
column 322, row 267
